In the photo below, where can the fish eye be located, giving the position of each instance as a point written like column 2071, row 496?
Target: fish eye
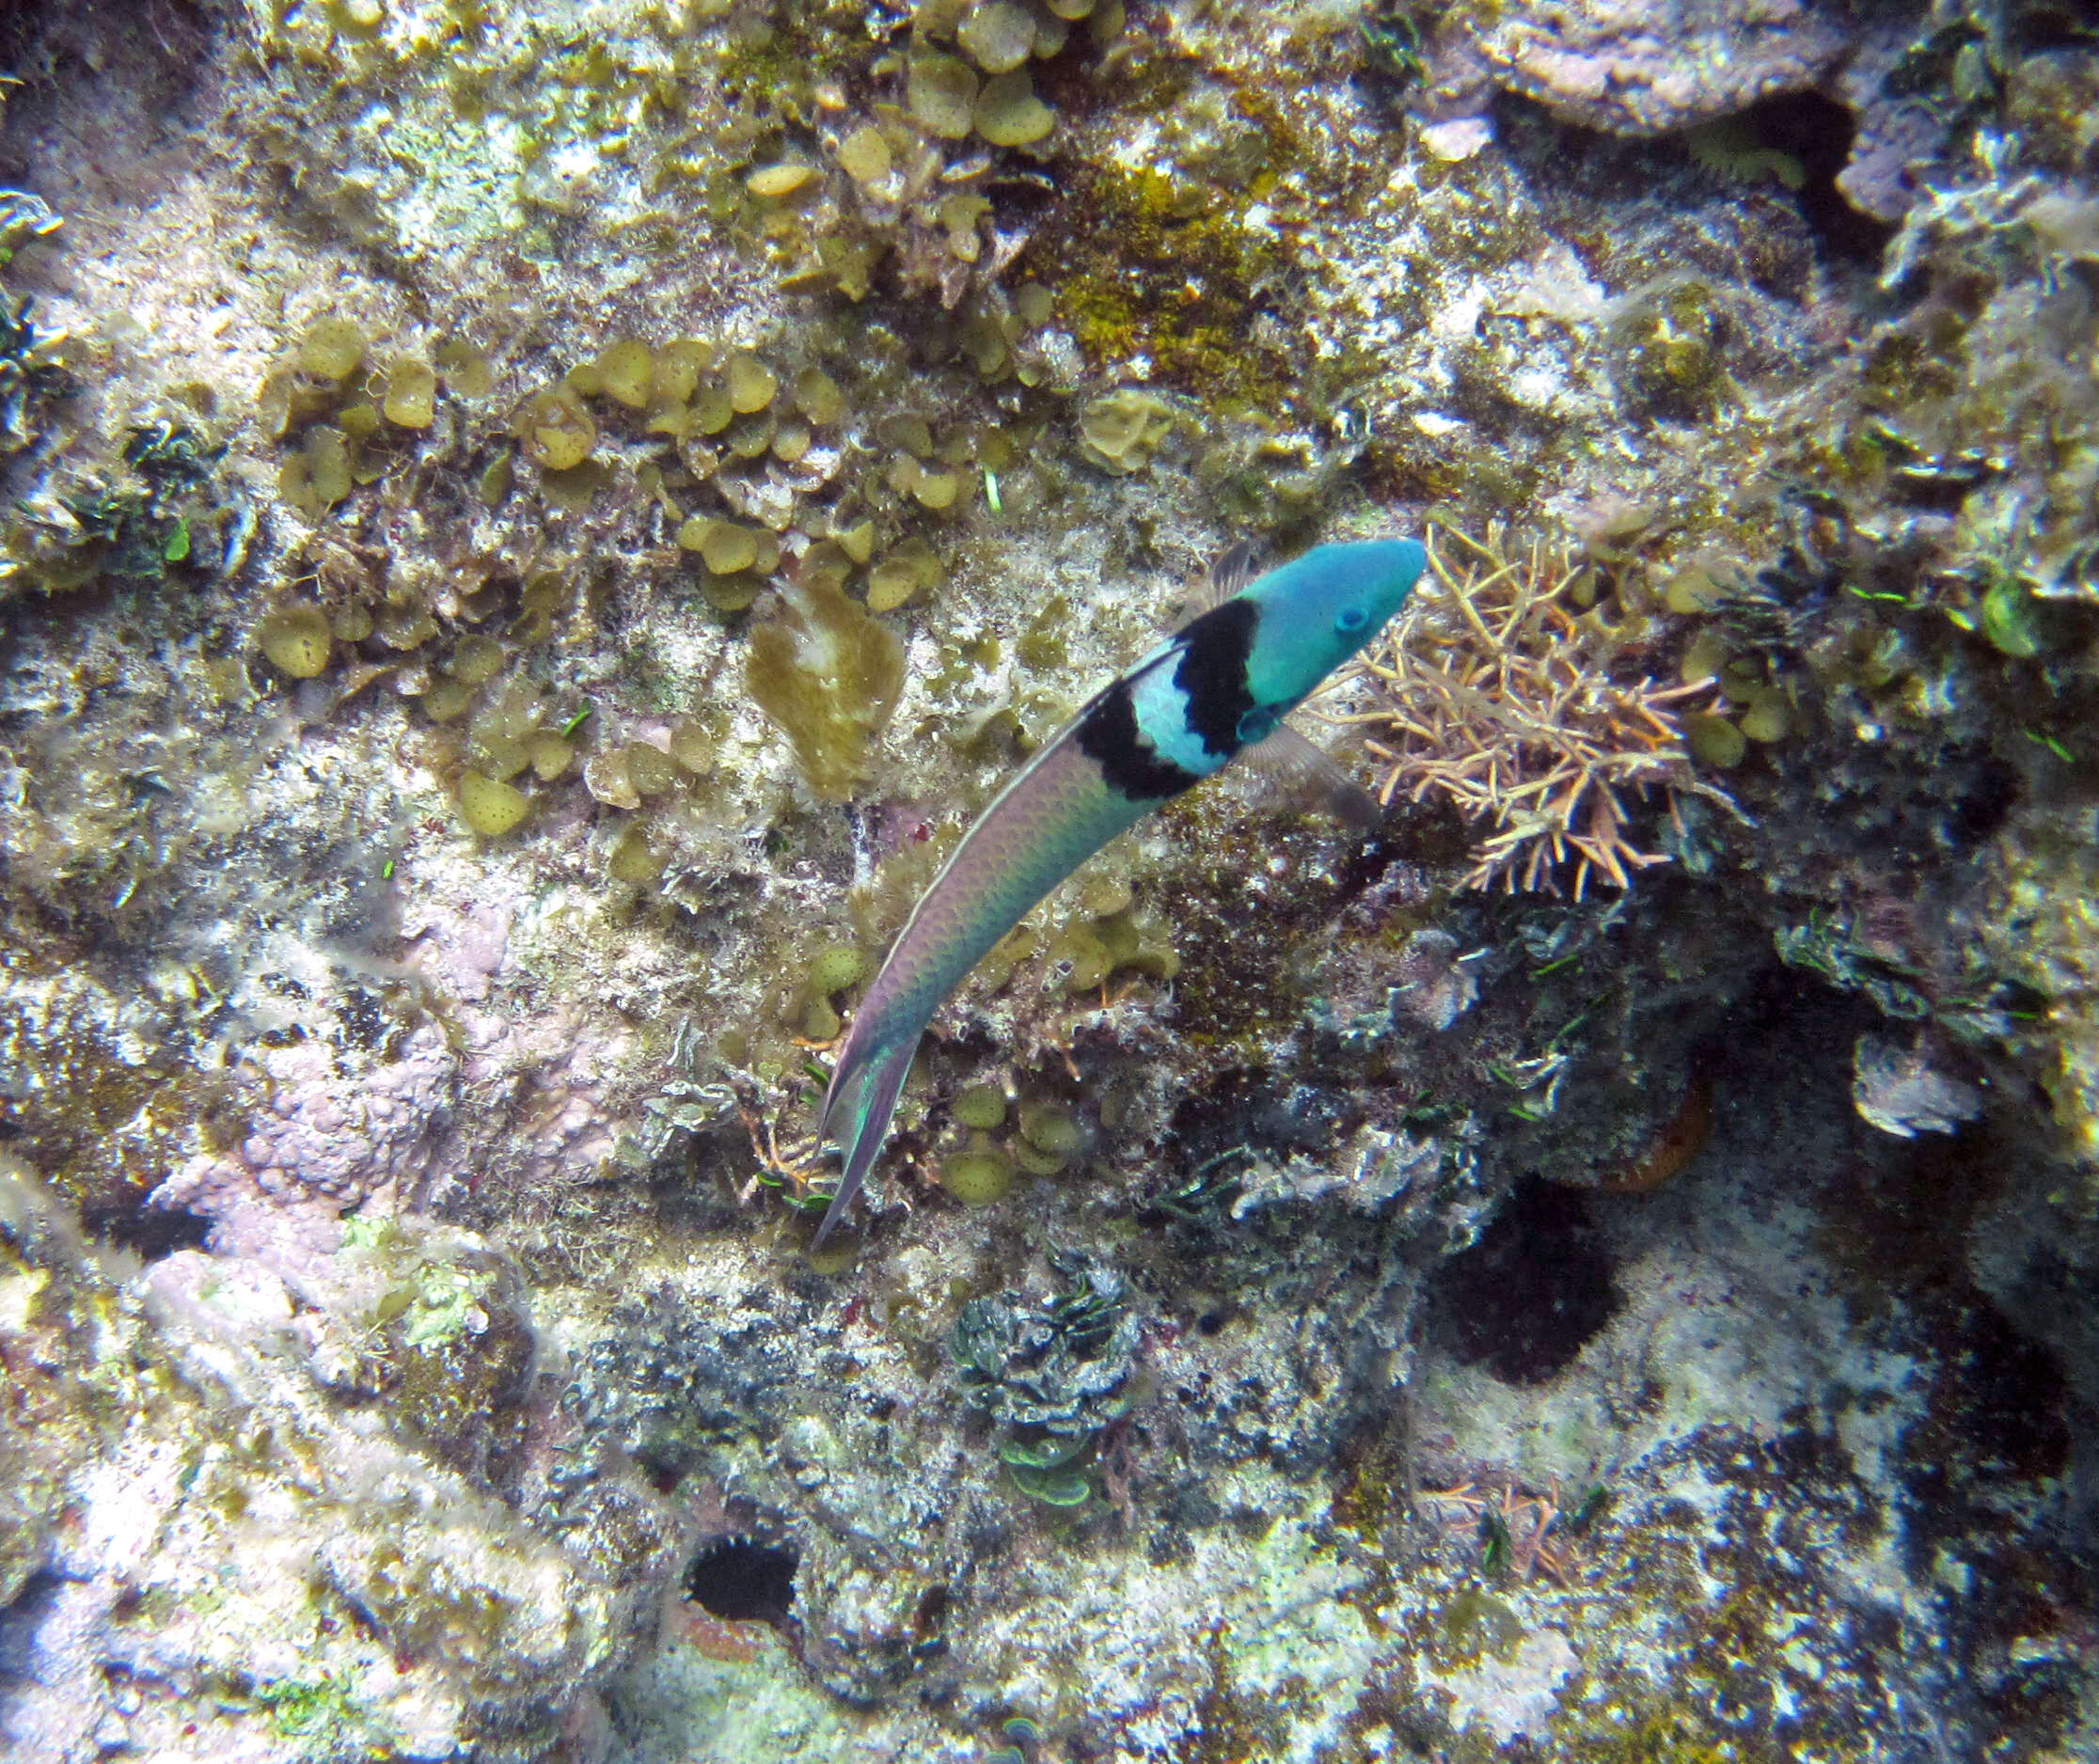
column 1351, row 619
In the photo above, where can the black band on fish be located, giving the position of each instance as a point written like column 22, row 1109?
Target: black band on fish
column 1108, row 736
column 1211, row 677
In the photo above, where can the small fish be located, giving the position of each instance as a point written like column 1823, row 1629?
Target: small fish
column 1220, row 685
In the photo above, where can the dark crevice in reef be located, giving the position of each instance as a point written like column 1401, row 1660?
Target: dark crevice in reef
column 1818, row 132
column 1809, row 134
column 1536, row 1287
column 148, row 1232
column 741, row 1581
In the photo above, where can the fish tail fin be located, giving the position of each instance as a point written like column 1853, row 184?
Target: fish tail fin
column 857, row 1109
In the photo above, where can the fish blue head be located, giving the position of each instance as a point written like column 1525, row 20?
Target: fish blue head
column 1317, row 610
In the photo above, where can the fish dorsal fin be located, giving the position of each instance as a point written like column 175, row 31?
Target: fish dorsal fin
column 1292, row 764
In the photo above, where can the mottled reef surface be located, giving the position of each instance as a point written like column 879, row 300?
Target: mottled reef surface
column 527, row 530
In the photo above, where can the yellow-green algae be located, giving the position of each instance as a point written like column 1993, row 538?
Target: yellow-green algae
column 827, row 673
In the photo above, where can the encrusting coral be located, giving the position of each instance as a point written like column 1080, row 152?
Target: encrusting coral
column 1622, row 68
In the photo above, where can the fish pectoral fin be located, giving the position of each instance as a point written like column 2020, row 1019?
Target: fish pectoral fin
column 1290, row 763
column 1233, row 568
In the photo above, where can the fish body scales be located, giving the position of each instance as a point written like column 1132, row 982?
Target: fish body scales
column 1021, row 847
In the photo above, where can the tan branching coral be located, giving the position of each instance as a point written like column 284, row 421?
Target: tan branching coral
column 1493, row 692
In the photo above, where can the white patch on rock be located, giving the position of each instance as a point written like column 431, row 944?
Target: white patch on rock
column 1900, row 1090
column 1515, row 1695
column 1457, row 138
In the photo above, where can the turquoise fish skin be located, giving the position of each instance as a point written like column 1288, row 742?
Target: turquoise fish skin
column 1220, row 683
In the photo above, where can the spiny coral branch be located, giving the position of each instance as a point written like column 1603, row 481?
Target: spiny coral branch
column 1493, row 691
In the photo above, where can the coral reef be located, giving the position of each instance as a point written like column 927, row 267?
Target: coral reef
column 325, row 1141
column 530, row 529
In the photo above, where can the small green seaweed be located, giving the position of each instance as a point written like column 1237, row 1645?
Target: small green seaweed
column 318, row 1711
column 1062, row 1486
column 1392, row 40
column 1044, row 1451
column 1824, row 944
column 1056, row 1376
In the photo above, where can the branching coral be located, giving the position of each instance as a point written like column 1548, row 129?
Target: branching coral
column 1493, row 692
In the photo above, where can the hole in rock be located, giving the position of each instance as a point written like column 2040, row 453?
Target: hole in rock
column 1537, row 1285
column 148, row 1232
column 743, row 1581
column 1818, row 132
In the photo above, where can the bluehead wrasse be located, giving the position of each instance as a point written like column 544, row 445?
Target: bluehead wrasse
column 1220, row 685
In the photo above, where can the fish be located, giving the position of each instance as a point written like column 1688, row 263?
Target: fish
column 1216, row 688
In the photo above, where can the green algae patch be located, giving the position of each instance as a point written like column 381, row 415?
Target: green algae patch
column 320, row 1713
column 1167, row 267
column 1714, row 741
column 557, row 433
column 1053, row 1132
column 320, row 475
column 297, row 639
column 1008, row 114
column 633, row 860
column 1120, row 430
column 1100, row 942
column 411, row 399
column 828, row 674
column 491, row 807
column 331, row 348
column 981, row 1105
column 909, row 571
column 979, row 1175
column 940, row 95
column 1475, row 1625
column 834, row 970
column 998, row 35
